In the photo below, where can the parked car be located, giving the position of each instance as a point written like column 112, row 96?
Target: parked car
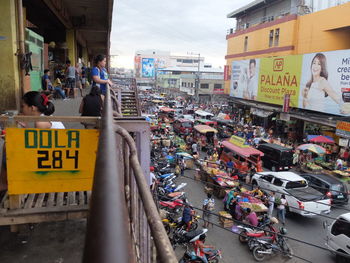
column 330, row 186
column 301, row 198
column 338, row 237
column 276, row 157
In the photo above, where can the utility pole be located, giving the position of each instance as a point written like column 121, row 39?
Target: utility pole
column 197, row 86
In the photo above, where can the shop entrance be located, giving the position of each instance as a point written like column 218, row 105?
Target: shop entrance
column 35, row 43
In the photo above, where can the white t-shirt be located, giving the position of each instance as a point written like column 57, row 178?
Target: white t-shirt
column 283, row 204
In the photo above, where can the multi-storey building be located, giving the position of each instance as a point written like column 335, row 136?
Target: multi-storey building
column 274, row 39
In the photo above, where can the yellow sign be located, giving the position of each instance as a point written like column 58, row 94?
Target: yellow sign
column 238, row 141
column 44, row 161
column 278, row 77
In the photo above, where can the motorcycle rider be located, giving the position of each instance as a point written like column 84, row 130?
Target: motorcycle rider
column 187, row 215
column 202, row 250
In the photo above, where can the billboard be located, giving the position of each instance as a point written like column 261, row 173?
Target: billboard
column 316, row 81
column 137, row 66
column 148, row 70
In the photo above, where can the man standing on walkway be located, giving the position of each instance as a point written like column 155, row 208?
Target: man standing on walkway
column 271, row 199
column 281, row 209
column 70, row 77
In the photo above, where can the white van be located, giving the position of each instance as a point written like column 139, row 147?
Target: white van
column 338, row 236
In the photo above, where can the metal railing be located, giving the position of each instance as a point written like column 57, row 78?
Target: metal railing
column 124, row 224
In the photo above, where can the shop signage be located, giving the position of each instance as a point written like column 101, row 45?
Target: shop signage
column 343, row 142
column 269, row 79
column 284, row 116
column 286, row 103
column 44, row 161
column 238, row 141
column 226, row 72
column 343, row 129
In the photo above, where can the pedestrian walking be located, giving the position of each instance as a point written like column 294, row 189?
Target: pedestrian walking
column 271, row 200
column 281, row 209
column 208, row 206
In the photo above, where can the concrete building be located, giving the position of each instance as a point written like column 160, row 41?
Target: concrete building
column 47, row 33
column 148, row 62
column 182, row 80
column 281, row 38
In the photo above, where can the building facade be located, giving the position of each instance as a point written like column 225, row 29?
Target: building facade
column 35, row 35
column 273, row 48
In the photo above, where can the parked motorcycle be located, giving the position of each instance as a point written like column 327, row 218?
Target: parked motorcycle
column 172, row 196
column 183, row 237
column 248, row 232
column 170, row 188
column 263, row 247
column 172, row 206
column 172, row 224
column 190, row 257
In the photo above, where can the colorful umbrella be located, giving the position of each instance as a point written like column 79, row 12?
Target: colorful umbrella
column 312, row 148
column 320, row 139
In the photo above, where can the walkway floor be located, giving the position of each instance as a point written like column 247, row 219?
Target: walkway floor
column 56, row 242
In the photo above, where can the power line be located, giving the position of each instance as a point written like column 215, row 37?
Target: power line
column 265, row 230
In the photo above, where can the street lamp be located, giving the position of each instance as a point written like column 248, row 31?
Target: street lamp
column 197, row 84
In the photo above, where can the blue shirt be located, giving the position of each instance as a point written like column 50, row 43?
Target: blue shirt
column 103, row 75
column 186, row 215
column 49, row 84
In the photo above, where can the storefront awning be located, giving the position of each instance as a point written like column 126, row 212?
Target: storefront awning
column 260, row 112
column 244, row 152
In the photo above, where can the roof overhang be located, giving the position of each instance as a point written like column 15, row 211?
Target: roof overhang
column 249, row 7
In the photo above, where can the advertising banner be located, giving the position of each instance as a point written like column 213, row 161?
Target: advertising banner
column 244, row 79
column 49, row 160
column 148, row 70
column 278, row 77
column 317, row 81
column 343, row 129
column 137, row 66
column 325, row 84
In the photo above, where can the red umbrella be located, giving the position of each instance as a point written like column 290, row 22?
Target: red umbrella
column 321, row 139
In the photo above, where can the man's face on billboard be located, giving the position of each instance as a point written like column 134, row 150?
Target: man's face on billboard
column 251, row 69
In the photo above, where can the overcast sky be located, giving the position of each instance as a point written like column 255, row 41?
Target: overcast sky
column 178, row 26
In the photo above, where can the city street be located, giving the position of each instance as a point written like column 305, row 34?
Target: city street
column 305, row 229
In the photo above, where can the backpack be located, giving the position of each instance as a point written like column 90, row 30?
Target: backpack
column 211, row 204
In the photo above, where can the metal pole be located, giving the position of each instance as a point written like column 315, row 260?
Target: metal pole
column 198, row 78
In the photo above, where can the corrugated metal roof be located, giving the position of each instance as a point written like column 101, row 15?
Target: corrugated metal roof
column 245, row 8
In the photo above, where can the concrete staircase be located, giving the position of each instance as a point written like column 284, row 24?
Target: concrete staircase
column 130, row 105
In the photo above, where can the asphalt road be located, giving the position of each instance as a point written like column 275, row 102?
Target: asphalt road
column 306, row 229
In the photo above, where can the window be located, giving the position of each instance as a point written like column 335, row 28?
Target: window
column 296, row 184
column 187, row 61
column 277, row 182
column 205, row 86
column 271, row 38
column 277, row 37
column 245, row 44
column 267, row 178
column 179, row 60
column 217, row 86
column 192, row 85
column 341, row 227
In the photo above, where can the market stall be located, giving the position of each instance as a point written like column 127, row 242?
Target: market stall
column 236, row 150
column 312, row 158
column 204, row 134
column 188, row 159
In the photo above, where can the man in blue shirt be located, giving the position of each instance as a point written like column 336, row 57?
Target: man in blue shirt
column 46, row 82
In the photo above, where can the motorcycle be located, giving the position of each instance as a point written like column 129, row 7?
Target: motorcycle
column 182, row 237
column 263, row 247
column 172, row 196
column 190, row 257
column 172, row 206
column 170, row 188
column 247, row 232
column 176, row 225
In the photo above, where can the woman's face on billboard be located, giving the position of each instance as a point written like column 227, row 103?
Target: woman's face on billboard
column 316, row 67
